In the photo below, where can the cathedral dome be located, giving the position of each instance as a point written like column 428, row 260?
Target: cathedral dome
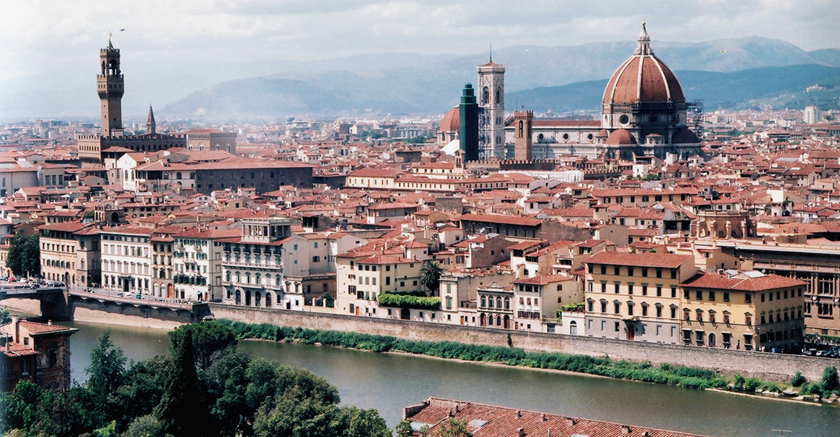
column 643, row 78
column 620, row 137
column 450, row 120
column 684, row 136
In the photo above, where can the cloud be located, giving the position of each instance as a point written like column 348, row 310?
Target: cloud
column 190, row 40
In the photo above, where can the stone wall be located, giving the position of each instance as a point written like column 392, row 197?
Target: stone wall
column 726, row 361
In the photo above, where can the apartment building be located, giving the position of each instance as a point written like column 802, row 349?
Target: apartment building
column 742, row 310
column 126, row 259
column 635, row 296
column 198, row 261
column 365, row 272
column 537, row 299
column 58, row 251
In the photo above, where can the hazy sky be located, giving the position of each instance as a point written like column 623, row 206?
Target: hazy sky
column 57, row 42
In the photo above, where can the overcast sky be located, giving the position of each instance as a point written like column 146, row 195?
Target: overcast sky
column 57, row 41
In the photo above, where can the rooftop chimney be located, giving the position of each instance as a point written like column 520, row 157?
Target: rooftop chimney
column 625, row 429
column 521, row 432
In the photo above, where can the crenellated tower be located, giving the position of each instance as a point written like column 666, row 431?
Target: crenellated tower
column 110, row 87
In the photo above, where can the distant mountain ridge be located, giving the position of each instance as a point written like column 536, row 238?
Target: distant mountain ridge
column 384, row 83
column 431, row 85
column 758, row 88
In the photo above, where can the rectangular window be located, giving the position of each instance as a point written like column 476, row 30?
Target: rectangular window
column 673, row 291
column 658, row 273
column 616, row 285
column 726, row 296
column 698, row 295
column 659, row 290
column 673, row 273
column 629, row 288
column 658, row 311
column 711, row 296
column 644, row 289
column 748, row 298
column 629, row 271
column 616, row 270
column 644, row 273
column 617, row 327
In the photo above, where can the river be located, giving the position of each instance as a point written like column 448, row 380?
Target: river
column 388, row 382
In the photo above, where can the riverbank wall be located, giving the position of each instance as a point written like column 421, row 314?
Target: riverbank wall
column 766, row 366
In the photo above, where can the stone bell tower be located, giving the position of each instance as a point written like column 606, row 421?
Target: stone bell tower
column 110, row 87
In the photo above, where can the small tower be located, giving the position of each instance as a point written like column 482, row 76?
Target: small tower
column 523, row 132
column 150, row 121
column 110, row 87
column 491, row 103
column 468, row 124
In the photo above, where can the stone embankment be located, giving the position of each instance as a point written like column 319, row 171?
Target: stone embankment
column 766, row 366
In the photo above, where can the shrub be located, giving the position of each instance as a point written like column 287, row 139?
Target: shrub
column 797, row 379
column 829, row 379
column 810, row 388
column 772, row 388
column 739, row 382
column 752, row 384
column 408, row 301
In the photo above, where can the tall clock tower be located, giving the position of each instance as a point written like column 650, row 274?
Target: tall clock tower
column 110, row 87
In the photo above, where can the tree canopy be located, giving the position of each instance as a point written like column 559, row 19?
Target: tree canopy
column 24, row 255
column 175, row 395
column 430, row 275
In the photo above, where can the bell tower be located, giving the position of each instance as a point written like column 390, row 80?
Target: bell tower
column 491, row 118
column 110, row 87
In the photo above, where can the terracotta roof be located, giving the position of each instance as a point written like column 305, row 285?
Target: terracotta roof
column 450, row 120
column 501, row 219
column 36, row 328
column 643, row 78
column 490, row 421
column 742, row 282
column 542, row 279
column 664, row 260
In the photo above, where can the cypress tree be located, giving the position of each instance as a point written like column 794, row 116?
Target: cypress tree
column 181, row 410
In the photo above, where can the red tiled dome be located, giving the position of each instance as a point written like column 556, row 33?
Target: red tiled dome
column 684, row 136
column 449, row 122
column 643, row 78
column 620, row 137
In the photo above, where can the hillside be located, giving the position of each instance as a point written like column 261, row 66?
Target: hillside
column 767, row 87
column 399, row 83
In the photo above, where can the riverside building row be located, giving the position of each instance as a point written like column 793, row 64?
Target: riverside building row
column 573, row 287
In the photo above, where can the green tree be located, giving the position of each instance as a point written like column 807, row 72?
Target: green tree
column 5, row 317
column 107, row 366
column 181, row 410
column 20, row 407
column 797, row 379
column 830, row 380
column 24, row 255
column 453, row 428
column 211, row 340
column 403, row 429
column 430, row 275
column 141, row 390
column 144, row 426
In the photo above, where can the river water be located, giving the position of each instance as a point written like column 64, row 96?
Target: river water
column 388, row 382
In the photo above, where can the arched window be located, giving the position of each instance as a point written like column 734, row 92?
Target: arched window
column 483, row 301
column 178, row 175
column 498, row 302
column 490, row 303
column 573, row 328
column 521, row 128
column 498, row 96
column 507, row 303
column 485, row 95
